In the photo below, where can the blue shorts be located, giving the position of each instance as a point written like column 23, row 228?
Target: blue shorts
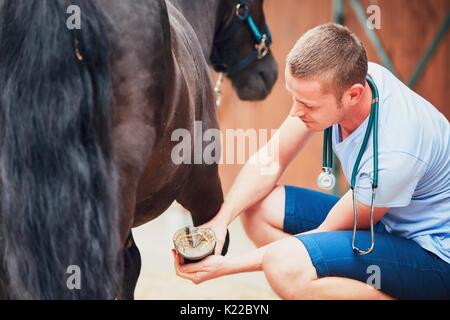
column 397, row 266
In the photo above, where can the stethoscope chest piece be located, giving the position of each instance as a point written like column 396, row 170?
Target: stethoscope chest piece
column 326, row 179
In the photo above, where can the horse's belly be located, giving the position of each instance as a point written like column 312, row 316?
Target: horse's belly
column 159, row 185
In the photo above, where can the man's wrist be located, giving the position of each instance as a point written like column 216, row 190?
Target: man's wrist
column 223, row 217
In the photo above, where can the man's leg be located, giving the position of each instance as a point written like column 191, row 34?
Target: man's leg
column 292, row 275
column 263, row 222
column 286, row 211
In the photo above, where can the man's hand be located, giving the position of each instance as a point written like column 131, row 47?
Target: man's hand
column 220, row 230
column 207, row 269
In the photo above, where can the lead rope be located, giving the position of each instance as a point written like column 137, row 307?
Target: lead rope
column 218, row 89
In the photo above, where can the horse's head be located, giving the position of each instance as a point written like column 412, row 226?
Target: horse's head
column 242, row 48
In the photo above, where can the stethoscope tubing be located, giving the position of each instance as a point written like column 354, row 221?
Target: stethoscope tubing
column 327, row 164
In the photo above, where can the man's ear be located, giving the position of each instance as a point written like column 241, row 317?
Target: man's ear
column 354, row 94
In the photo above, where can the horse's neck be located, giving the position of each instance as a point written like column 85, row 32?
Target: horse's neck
column 202, row 15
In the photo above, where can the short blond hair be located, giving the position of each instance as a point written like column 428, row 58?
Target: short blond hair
column 330, row 53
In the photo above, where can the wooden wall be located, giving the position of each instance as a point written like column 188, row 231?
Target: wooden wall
column 407, row 29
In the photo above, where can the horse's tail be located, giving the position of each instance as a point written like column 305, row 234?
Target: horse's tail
column 58, row 183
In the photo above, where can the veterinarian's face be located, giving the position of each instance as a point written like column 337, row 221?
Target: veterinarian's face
column 317, row 109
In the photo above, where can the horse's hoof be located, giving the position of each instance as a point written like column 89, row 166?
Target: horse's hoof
column 194, row 244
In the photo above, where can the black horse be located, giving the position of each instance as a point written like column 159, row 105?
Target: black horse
column 86, row 118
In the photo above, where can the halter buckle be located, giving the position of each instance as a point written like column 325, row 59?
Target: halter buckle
column 262, row 48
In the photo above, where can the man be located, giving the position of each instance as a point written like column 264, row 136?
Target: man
column 326, row 75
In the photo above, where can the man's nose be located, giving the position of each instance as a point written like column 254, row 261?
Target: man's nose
column 297, row 110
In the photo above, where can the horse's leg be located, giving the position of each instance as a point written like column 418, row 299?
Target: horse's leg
column 131, row 257
column 202, row 196
column 131, row 263
column 132, row 268
column 129, row 174
column 3, row 289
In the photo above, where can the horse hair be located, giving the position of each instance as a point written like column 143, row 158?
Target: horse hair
column 58, row 181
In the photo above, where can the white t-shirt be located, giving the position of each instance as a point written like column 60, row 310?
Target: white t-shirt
column 414, row 164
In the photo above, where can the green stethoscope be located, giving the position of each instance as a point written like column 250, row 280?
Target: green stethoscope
column 326, row 179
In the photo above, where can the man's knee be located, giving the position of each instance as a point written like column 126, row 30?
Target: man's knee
column 289, row 269
column 252, row 218
column 269, row 210
column 253, row 224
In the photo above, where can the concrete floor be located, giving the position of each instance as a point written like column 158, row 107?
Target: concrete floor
column 158, row 279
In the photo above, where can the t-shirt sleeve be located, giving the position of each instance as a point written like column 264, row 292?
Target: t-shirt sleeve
column 398, row 176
